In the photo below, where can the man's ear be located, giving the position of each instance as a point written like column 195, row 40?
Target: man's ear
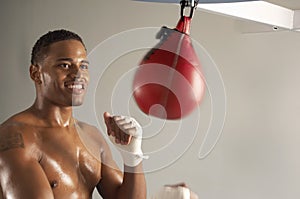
column 35, row 73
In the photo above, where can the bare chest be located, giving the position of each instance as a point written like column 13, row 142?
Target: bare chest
column 72, row 170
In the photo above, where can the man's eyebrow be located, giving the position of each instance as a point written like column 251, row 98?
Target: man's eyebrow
column 70, row 60
column 85, row 61
column 65, row 59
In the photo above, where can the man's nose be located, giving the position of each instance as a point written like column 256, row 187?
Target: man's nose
column 76, row 72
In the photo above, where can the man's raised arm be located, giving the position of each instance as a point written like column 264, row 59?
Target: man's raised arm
column 126, row 134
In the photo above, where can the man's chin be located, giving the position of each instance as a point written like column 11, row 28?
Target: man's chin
column 77, row 102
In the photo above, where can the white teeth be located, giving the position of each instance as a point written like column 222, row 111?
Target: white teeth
column 77, row 86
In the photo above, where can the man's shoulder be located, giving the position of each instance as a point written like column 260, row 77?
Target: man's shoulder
column 91, row 132
column 11, row 140
column 10, row 126
column 14, row 133
column 16, row 121
column 87, row 128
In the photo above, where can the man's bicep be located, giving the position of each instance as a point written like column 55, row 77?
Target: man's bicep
column 23, row 178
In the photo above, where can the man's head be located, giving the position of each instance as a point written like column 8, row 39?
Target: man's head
column 39, row 50
column 59, row 68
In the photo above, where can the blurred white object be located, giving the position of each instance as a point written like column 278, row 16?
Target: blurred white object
column 168, row 192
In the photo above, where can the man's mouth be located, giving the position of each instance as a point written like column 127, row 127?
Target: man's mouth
column 76, row 88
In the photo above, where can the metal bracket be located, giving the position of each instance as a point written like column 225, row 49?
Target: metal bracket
column 188, row 3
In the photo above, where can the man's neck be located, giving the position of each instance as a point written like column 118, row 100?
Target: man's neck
column 54, row 115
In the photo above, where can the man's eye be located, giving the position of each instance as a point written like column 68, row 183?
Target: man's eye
column 85, row 67
column 65, row 66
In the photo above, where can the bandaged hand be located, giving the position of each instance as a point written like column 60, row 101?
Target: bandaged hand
column 177, row 191
column 172, row 193
column 126, row 134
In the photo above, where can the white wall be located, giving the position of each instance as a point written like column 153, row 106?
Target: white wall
column 257, row 154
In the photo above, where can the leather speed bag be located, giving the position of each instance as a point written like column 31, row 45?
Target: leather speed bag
column 168, row 82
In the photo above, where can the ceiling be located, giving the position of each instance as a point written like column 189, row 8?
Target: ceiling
column 262, row 15
column 291, row 4
column 255, row 15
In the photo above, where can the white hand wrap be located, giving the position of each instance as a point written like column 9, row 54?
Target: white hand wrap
column 172, row 193
column 132, row 153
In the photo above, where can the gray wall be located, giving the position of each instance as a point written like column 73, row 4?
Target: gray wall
column 257, row 153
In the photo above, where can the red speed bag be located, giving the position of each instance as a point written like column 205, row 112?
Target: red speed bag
column 168, row 82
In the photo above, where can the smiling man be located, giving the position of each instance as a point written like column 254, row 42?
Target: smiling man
column 41, row 152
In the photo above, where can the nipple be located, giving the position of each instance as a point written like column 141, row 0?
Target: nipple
column 53, row 184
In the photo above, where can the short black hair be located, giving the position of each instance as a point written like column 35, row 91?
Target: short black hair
column 40, row 47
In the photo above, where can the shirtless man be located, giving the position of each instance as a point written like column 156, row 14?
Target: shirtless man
column 41, row 153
